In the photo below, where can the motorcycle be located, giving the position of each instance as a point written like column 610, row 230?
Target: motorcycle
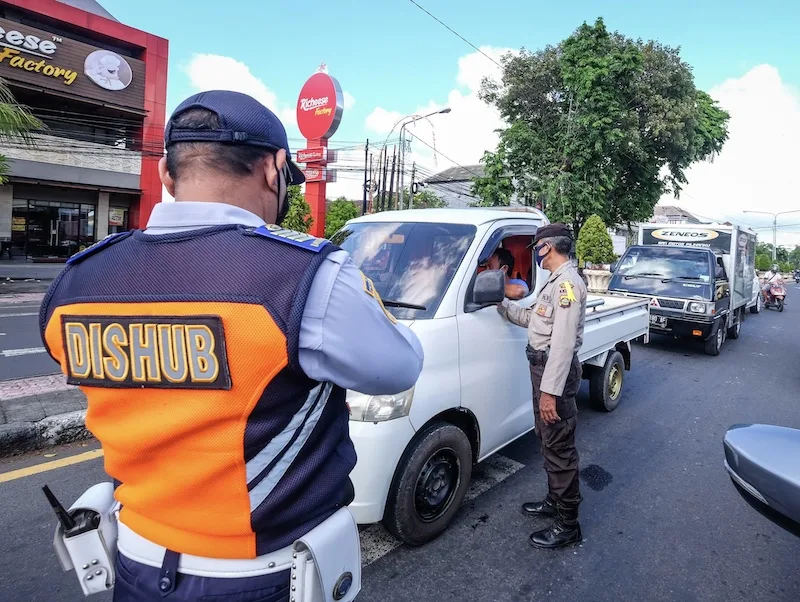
column 797, row 278
column 775, row 297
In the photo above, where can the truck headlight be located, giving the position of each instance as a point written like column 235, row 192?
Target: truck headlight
column 379, row 408
column 698, row 308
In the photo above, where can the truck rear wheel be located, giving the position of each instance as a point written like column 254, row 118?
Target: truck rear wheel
column 605, row 384
column 429, row 485
column 733, row 331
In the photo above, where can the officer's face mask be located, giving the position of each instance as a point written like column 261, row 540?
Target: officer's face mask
column 539, row 255
column 284, row 178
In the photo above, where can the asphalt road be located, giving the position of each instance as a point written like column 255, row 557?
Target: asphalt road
column 661, row 520
column 21, row 352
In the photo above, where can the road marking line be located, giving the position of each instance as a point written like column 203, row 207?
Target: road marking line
column 47, row 466
column 376, row 541
column 34, row 313
column 17, row 352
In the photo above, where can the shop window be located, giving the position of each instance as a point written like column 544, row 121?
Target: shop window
column 117, row 219
column 52, row 228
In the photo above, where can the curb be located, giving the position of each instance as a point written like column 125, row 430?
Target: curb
column 23, row 437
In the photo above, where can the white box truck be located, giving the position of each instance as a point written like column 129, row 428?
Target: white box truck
column 698, row 279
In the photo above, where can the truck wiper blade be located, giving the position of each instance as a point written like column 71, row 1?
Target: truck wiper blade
column 402, row 305
column 642, row 274
column 688, row 277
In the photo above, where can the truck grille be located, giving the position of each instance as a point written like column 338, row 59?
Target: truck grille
column 671, row 303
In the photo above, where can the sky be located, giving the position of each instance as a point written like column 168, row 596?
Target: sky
column 392, row 60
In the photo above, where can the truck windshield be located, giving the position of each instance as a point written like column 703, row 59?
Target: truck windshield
column 665, row 263
column 411, row 264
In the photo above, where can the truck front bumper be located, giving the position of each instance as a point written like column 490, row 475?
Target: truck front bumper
column 379, row 447
column 682, row 325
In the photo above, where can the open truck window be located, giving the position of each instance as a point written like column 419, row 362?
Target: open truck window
column 410, row 264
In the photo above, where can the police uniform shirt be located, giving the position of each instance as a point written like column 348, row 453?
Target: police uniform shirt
column 554, row 322
column 344, row 332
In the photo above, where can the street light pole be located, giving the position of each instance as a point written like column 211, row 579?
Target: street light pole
column 774, row 228
column 403, row 151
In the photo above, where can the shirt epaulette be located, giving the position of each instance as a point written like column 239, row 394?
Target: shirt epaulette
column 98, row 246
column 290, row 237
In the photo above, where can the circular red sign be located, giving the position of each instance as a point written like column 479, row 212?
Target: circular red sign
column 320, row 106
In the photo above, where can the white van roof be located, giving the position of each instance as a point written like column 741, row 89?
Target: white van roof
column 473, row 216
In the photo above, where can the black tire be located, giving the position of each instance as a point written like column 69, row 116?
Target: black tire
column 605, row 384
column 714, row 343
column 779, row 303
column 757, row 307
column 735, row 330
column 429, row 484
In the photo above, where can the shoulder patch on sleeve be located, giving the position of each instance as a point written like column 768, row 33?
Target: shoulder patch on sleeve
column 369, row 288
column 298, row 239
column 98, row 246
column 566, row 293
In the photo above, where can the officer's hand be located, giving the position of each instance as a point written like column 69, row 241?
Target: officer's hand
column 547, row 408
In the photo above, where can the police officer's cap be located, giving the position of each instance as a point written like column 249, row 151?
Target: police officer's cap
column 551, row 230
column 243, row 120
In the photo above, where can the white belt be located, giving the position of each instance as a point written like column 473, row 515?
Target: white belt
column 137, row 548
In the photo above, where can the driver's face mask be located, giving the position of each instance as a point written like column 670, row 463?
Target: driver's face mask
column 284, row 181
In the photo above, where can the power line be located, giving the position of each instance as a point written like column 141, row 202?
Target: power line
column 455, row 32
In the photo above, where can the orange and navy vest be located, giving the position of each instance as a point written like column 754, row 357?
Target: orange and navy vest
column 186, row 346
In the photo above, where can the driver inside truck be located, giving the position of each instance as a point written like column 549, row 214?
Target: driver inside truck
column 502, row 259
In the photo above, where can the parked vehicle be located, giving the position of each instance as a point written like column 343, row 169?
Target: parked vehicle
column 416, row 450
column 756, row 300
column 697, row 278
column 775, row 296
column 761, row 460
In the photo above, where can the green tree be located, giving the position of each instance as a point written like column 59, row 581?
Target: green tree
column 794, row 256
column 495, row 188
column 765, row 248
column 337, row 214
column 298, row 217
column 594, row 242
column 763, row 262
column 427, row 199
column 602, row 124
column 786, row 267
column 16, row 123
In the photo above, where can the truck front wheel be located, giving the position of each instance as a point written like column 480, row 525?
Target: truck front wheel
column 605, row 384
column 714, row 342
column 429, row 485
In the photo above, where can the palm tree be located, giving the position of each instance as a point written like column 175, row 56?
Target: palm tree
column 16, row 123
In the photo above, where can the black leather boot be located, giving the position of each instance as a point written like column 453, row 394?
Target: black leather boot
column 545, row 507
column 564, row 531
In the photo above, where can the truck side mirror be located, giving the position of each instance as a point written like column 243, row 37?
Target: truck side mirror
column 761, row 461
column 614, row 266
column 490, row 287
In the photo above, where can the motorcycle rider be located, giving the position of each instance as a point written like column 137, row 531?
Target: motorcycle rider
column 773, row 276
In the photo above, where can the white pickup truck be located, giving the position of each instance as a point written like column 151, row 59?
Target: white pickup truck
column 416, row 449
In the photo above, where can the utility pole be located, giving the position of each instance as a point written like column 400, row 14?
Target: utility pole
column 411, row 186
column 414, row 119
column 366, row 177
column 382, row 199
column 391, row 179
column 371, row 184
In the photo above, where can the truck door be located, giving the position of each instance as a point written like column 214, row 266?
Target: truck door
column 495, row 378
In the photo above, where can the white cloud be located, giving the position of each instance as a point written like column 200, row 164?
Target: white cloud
column 349, row 100
column 464, row 133
column 215, row 72
column 758, row 166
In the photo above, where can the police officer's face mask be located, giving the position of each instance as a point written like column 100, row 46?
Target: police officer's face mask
column 540, row 256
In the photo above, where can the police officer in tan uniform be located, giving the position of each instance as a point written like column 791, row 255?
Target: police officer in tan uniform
column 555, row 333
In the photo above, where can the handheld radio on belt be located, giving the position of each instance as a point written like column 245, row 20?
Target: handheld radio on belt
column 86, row 537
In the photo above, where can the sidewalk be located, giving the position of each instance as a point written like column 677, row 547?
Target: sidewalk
column 40, row 412
column 20, row 269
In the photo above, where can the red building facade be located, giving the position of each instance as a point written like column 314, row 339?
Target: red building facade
column 100, row 88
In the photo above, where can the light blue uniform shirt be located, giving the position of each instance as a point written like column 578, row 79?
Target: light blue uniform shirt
column 345, row 337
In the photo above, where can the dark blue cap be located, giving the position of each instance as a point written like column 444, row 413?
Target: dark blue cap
column 243, row 120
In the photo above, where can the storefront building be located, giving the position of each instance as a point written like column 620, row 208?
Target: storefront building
column 100, row 89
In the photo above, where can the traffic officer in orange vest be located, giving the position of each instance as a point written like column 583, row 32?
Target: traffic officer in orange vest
column 215, row 348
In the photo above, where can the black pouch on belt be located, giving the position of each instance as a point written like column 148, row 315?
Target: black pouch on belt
column 536, row 358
